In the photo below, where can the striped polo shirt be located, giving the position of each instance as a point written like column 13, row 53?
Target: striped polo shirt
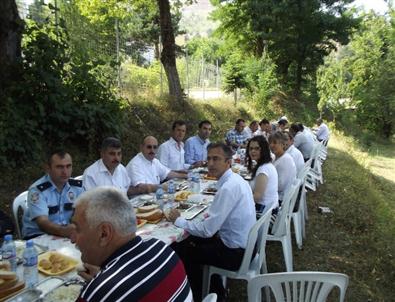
column 141, row 270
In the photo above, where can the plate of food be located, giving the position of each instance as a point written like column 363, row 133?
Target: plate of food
column 209, row 177
column 53, row 263
column 182, row 195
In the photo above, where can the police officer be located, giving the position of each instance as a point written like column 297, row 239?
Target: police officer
column 50, row 199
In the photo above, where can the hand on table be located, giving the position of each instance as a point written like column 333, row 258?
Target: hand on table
column 90, row 271
column 172, row 215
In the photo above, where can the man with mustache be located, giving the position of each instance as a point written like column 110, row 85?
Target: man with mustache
column 108, row 170
column 146, row 172
column 50, row 199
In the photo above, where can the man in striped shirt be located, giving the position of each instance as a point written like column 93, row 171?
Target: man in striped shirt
column 121, row 266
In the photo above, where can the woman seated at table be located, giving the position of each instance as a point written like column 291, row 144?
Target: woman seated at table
column 284, row 163
column 264, row 181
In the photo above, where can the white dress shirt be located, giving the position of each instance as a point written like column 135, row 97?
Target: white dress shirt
column 171, row 154
column 232, row 213
column 322, row 132
column 144, row 171
column 270, row 196
column 286, row 171
column 97, row 175
column 297, row 156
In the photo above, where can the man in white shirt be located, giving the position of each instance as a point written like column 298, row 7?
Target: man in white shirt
column 296, row 155
column 171, row 152
column 265, row 128
column 251, row 129
column 302, row 141
column 322, row 131
column 221, row 238
column 145, row 171
column 196, row 146
column 108, row 170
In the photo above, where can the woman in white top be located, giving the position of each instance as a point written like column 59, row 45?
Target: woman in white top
column 264, row 181
column 284, row 163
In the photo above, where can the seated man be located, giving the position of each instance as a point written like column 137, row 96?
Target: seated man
column 304, row 143
column 50, row 199
column 146, row 172
column 296, row 155
column 265, row 128
column 196, row 146
column 236, row 137
column 251, row 129
column 171, row 153
column 121, row 266
column 108, row 170
column 322, row 132
column 221, row 238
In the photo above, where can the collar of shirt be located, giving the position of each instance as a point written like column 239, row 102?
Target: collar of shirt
column 136, row 240
column 53, row 187
column 202, row 141
column 224, row 178
column 103, row 168
column 144, row 160
column 178, row 145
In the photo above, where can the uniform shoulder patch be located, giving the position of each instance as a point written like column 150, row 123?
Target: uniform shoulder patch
column 45, row 185
column 75, row 182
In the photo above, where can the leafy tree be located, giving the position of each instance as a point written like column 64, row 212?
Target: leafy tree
column 207, row 48
column 298, row 34
column 234, row 74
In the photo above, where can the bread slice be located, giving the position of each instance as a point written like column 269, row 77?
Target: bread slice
column 151, row 216
column 146, row 209
column 7, row 275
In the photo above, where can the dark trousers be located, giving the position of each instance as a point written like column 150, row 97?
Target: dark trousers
column 196, row 252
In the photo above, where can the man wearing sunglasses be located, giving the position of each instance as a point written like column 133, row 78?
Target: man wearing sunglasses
column 147, row 172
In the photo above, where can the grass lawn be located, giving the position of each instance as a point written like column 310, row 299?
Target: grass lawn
column 358, row 238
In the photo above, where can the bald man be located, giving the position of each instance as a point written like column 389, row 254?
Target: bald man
column 146, row 172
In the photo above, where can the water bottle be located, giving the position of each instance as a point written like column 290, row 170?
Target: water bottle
column 190, row 183
column 171, row 190
column 9, row 251
column 159, row 193
column 196, row 183
column 30, row 257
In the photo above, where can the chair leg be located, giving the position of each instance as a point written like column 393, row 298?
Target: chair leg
column 297, row 221
column 206, row 280
column 287, row 251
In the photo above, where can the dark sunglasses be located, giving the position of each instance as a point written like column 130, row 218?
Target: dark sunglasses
column 152, row 147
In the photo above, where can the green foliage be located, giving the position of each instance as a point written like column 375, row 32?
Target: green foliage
column 57, row 100
column 361, row 77
column 234, row 72
column 206, row 48
column 297, row 34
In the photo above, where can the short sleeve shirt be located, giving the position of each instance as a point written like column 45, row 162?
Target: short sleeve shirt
column 171, row 154
column 234, row 136
column 144, row 171
column 270, row 196
column 44, row 199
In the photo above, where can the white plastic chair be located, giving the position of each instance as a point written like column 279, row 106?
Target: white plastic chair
column 20, row 202
column 298, row 286
column 250, row 267
column 281, row 228
column 210, row 298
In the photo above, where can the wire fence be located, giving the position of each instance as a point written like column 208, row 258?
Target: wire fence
column 137, row 68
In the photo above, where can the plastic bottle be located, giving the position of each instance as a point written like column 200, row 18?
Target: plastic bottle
column 171, row 190
column 30, row 257
column 190, row 183
column 196, row 183
column 159, row 193
column 9, row 251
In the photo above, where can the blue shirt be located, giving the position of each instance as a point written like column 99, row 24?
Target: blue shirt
column 44, row 199
column 233, row 136
column 195, row 149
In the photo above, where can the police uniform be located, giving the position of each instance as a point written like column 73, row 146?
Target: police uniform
column 44, row 200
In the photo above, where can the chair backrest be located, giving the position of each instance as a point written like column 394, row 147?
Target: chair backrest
column 210, row 298
column 279, row 227
column 20, row 202
column 256, row 238
column 298, row 286
column 79, row 177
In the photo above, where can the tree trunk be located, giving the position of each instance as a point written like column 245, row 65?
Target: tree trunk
column 168, row 56
column 11, row 27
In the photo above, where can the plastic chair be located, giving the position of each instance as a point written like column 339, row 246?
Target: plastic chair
column 281, row 228
column 250, row 267
column 79, row 177
column 298, row 286
column 20, row 202
column 210, row 298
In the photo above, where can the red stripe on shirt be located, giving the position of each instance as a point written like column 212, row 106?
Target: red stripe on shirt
column 168, row 286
